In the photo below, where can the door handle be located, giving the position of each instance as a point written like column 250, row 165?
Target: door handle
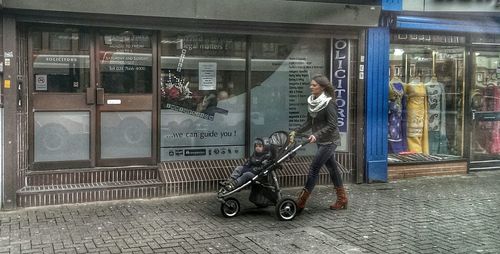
column 90, row 96
column 100, row 95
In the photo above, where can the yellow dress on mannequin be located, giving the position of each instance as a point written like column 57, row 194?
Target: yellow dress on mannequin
column 417, row 119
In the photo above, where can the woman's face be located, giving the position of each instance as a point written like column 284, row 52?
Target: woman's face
column 316, row 89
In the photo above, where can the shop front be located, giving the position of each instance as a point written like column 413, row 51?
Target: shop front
column 110, row 108
column 443, row 97
column 92, row 97
column 426, row 105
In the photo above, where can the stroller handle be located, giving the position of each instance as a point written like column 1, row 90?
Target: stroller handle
column 304, row 143
column 300, row 135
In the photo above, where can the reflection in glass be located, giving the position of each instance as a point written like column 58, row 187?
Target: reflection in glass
column 425, row 103
column 60, row 40
column 281, row 72
column 62, row 64
column 61, row 136
column 202, row 96
column 125, row 135
column 485, row 104
column 125, row 62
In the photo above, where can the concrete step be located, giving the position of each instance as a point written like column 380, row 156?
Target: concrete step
column 88, row 192
column 90, row 175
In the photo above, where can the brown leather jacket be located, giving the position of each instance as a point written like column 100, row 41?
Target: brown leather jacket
column 324, row 126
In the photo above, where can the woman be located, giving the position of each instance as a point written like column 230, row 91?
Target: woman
column 322, row 119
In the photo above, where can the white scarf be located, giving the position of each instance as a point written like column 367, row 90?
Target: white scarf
column 315, row 105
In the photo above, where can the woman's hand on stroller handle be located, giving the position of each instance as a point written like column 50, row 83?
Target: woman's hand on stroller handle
column 293, row 135
column 311, row 139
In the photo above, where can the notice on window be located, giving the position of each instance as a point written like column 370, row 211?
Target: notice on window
column 298, row 90
column 207, row 76
column 41, row 83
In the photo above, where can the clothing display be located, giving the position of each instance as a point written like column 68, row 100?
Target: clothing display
column 417, row 117
column 436, row 99
column 397, row 128
column 443, row 115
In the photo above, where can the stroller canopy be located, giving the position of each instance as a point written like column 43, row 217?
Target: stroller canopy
column 279, row 142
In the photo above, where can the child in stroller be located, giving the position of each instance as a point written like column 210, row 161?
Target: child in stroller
column 253, row 166
column 265, row 189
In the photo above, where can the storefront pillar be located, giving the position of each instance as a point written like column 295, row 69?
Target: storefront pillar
column 1, row 146
column 377, row 76
column 9, row 88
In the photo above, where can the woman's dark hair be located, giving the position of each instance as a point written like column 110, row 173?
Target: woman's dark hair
column 323, row 81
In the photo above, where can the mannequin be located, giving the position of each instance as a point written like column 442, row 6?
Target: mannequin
column 436, row 99
column 417, row 120
column 397, row 108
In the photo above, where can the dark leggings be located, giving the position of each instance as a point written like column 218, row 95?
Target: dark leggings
column 324, row 156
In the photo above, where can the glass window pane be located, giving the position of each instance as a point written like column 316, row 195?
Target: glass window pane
column 60, row 40
column 202, row 96
column 61, row 136
column 125, row 135
column 485, row 103
column 58, row 68
column 36, row 38
column 425, row 103
column 126, row 62
column 281, row 72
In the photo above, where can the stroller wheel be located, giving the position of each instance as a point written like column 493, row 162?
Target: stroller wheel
column 286, row 209
column 230, row 208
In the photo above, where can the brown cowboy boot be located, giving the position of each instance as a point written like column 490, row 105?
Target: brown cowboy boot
column 341, row 202
column 301, row 200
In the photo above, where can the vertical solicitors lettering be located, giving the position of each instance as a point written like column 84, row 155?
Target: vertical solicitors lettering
column 340, row 82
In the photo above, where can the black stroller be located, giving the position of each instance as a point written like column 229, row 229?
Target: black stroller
column 265, row 190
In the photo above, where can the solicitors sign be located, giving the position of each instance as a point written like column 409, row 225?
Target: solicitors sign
column 340, row 79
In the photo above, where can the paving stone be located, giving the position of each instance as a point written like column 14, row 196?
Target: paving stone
column 459, row 214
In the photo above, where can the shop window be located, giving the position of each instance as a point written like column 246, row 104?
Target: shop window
column 59, row 63
column 426, row 92
column 281, row 72
column 203, row 96
column 125, row 62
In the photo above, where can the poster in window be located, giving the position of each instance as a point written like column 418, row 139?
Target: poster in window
column 207, row 76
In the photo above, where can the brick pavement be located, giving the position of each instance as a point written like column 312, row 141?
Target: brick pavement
column 459, row 214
